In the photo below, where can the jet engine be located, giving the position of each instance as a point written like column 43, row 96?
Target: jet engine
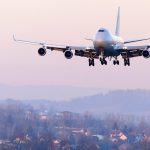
column 42, row 51
column 146, row 54
column 68, row 54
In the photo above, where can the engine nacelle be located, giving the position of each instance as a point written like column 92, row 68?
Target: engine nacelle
column 68, row 54
column 146, row 54
column 42, row 51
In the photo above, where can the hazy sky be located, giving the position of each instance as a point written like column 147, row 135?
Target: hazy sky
column 69, row 22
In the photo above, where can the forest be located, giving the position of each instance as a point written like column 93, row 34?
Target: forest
column 24, row 127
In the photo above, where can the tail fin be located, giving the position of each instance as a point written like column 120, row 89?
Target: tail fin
column 118, row 23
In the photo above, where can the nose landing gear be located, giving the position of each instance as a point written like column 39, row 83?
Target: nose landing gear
column 116, row 62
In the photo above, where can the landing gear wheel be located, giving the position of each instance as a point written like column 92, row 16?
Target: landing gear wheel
column 116, row 62
column 91, row 62
column 103, row 61
column 127, row 62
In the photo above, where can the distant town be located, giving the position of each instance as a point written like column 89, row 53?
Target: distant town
column 24, row 127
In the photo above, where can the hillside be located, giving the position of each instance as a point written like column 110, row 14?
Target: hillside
column 120, row 101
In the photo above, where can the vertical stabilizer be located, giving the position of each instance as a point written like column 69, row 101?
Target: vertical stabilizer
column 118, row 23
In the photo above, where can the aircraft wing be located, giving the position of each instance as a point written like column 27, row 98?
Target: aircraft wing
column 133, row 41
column 82, row 51
column 134, row 51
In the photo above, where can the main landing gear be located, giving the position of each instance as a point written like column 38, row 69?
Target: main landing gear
column 103, row 61
column 126, row 62
column 91, row 62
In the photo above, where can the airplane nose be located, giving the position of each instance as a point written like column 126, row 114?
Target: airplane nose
column 99, row 43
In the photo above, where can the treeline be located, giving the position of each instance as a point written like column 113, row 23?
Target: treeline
column 23, row 127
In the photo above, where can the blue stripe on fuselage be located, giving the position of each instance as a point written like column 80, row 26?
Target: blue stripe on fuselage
column 108, row 51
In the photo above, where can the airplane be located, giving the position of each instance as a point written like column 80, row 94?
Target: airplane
column 105, row 45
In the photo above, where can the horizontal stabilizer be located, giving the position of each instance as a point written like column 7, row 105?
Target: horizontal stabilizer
column 88, row 39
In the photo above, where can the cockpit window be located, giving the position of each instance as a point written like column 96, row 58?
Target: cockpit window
column 101, row 30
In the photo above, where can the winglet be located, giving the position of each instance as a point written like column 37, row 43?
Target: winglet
column 117, row 33
column 88, row 39
column 14, row 38
column 28, row 42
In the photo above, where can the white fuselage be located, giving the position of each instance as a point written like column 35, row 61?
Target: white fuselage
column 107, row 43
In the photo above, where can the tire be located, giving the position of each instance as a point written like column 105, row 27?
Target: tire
column 117, row 62
column 89, row 62
column 125, row 63
column 114, row 62
column 92, row 61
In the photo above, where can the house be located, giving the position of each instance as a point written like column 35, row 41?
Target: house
column 117, row 135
